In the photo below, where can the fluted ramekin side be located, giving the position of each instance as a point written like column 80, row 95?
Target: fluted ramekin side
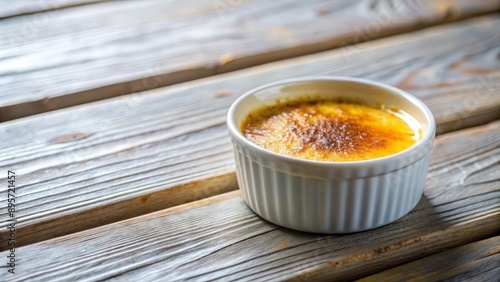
column 328, row 205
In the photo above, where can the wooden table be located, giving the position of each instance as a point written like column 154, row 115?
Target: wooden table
column 113, row 121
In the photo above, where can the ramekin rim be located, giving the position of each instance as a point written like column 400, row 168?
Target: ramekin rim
column 235, row 132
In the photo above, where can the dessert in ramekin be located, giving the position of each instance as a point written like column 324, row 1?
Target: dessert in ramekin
column 330, row 196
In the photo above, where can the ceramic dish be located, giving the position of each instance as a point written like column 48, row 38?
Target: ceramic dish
column 330, row 197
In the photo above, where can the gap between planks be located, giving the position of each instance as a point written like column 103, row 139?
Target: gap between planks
column 478, row 261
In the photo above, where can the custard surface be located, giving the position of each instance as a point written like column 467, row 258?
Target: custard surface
column 331, row 131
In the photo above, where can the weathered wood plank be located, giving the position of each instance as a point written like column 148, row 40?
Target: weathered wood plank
column 108, row 161
column 98, row 51
column 17, row 8
column 222, row 239
column 478, row 261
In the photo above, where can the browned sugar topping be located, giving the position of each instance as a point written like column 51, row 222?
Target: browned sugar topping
column 329, row 131
column 334, row 134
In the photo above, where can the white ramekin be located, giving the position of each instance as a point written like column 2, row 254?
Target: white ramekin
column 330, row 197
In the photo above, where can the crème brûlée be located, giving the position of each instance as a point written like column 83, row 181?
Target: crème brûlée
column 337, row 131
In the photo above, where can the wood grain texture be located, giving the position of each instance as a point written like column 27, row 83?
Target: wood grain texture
column 92, row 52
column 111, row 160
column 25, row 7
column 478, row 261
column 221, row 239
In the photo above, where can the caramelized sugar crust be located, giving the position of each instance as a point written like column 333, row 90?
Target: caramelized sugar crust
column 330, row 130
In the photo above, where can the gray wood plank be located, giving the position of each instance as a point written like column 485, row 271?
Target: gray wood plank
column 72, row 56
column 221, row 239
column 111, row 160
column 25, row 7
column 478, row 261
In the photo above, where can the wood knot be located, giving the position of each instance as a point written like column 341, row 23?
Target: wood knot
column 226, row 58
column 71, row 137
column 144, row 198
column 222, row 93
